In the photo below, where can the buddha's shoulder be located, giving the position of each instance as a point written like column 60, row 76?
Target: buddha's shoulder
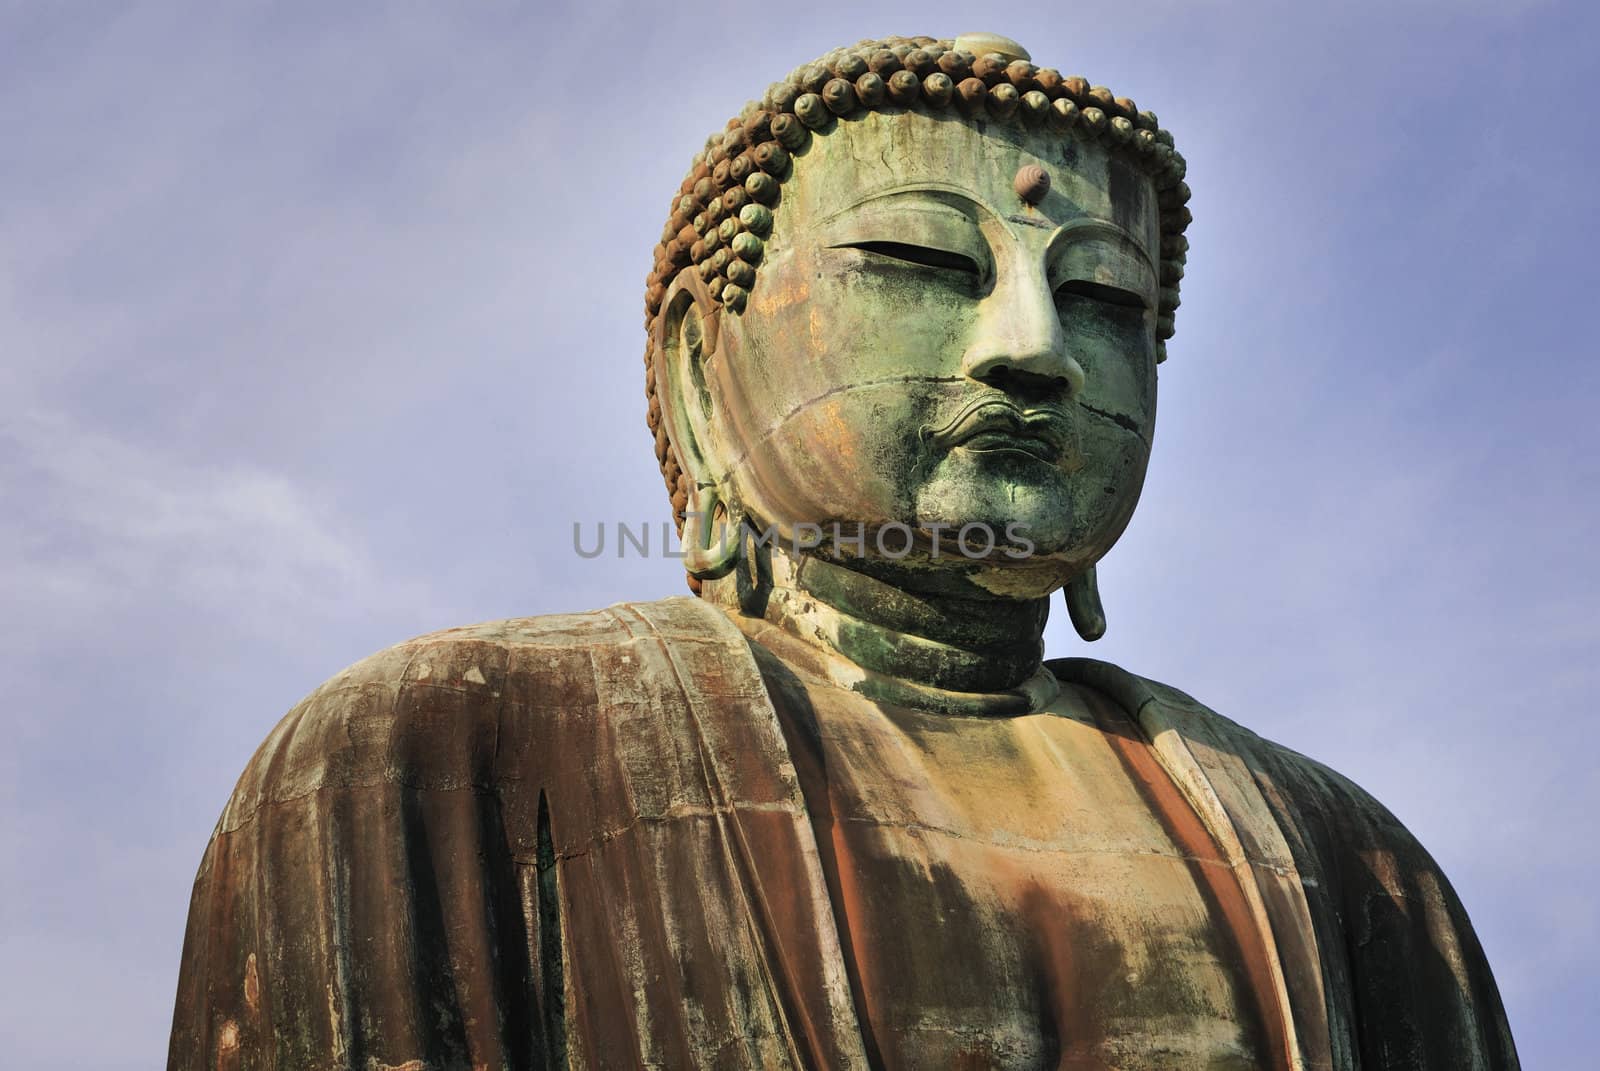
column 434, row 711
column 1365, row 873
column 555, row 654
column 1293, row 783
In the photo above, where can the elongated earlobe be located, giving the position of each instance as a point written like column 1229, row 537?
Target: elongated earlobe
column 711, row 534
column 1083, row 605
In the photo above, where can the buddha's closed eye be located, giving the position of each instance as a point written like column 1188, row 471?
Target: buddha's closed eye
column 1100, row 292
column 926, row 256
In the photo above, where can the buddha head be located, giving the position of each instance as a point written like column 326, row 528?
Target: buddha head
column 906, row 313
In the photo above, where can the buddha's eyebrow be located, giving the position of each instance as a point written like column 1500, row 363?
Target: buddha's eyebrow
column 948, row 202
column 1088, row 227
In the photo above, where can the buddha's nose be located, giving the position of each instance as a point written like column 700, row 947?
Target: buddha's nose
column 1017, row 344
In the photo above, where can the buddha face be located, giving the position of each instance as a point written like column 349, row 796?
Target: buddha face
column 924, row 347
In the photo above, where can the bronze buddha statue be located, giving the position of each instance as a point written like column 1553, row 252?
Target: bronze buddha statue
column 838, row 811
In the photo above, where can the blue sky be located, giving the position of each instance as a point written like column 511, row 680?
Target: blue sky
column 319, row 329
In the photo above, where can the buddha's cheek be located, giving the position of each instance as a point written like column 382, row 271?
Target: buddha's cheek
column 1105, row 491
column 853, row 455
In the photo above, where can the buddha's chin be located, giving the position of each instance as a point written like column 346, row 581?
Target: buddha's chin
column 1027, row 505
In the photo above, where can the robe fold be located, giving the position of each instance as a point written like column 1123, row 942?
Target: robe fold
column 580, row 841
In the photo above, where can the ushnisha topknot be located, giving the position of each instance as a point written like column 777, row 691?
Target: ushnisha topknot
column 723, row 210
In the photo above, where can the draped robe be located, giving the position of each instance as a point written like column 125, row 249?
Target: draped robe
column 580, row 841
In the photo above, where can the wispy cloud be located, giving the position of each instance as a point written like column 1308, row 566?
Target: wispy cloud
column 89, row 522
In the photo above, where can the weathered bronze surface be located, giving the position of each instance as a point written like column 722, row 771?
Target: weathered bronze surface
column 839, row 812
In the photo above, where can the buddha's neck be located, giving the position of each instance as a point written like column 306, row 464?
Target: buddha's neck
column 936, row 651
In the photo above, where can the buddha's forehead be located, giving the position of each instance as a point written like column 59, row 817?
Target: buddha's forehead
column 882, row 153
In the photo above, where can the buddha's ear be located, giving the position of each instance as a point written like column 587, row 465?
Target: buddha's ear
column 685, row 338
column 685, row 335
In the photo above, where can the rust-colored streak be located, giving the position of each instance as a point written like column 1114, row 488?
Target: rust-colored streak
column 797, row 720
column 252, row 985
column 228, row 1046
column 1070, row 957
column 1219, row 883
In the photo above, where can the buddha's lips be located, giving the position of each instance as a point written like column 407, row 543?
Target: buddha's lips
column 1044, row 431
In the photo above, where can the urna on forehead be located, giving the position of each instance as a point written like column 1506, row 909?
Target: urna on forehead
column 726, row 206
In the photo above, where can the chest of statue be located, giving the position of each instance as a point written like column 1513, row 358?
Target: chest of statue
column 1023, row 892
